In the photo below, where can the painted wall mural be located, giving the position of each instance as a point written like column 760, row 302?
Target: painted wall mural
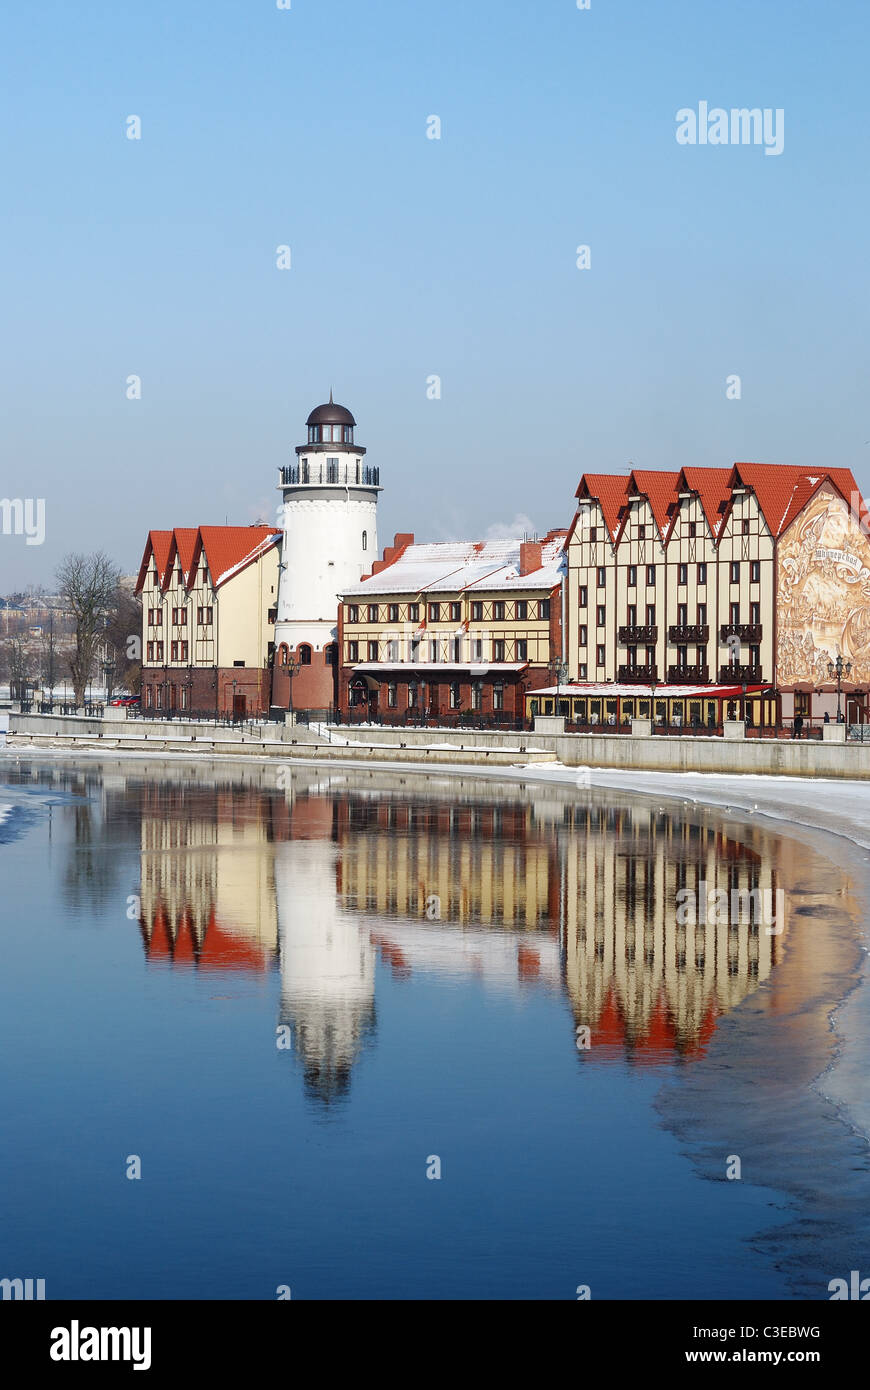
column 823, row 594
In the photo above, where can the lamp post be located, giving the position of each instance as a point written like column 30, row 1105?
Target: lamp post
column 743, row 685
column 292, row 667
column 839, row 668
column 235, row 683
column 108, row 672
column 652, row 685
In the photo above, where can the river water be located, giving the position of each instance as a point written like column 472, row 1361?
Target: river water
column 376, row 1035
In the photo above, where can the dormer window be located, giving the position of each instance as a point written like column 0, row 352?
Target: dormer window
column 314, row 434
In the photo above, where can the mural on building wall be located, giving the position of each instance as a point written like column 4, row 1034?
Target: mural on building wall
column 823, row 593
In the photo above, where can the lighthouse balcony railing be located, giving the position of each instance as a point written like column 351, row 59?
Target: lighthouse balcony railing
column 318, row 472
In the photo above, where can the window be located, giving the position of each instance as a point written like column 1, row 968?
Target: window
column 650, row 656
column 521, row 612
column 498, row 610
column 735, row 571
column 477, row 612
column 456, row 649
column 434, row 612
column 412, row 695
column 332, row 477
column 682, row 614
column 304, row 655
column 353, row 651
column 755, row 613
column 498, row 649
column 365, row 534
column 599, row 654
column 159, row 651
column 682, row 574
column 650, row 574
column 477, row 695
column 584, row 597
column 204, row 574
column 454, row 695
column 182, row 617
column 160, row 697
column 593, row 533
column 650, row 615
column 631, row 617
column 477, row 649
column 392, row 612
column 456, row 612
column 582, row 636
column 583, row 670
column 391, row 695
column 149, row 696
column 735, row 613
column 754, row 571
column 150, row 656
column 754, row 656
column 353, row 612
column 155, row 580
column 373, row 612
column 158, row 617
column 543, row 608
column 702, row 614
column 330, row 654
column 393, row 650
column 601, row 576
column 413, row 612
column 693, row 529
column 601, row 615
column 682, row 656
column 632, row 576
column 173, row 651
column 498, row 695
column 433, row 651
column 641, row 532
column 372, row 651
column 702, row 573
column 632, row 656
column 746, row 528
column 522, row 649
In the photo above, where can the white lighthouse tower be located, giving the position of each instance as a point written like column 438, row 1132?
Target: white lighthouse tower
column 329, row 519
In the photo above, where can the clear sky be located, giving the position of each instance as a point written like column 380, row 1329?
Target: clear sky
column 413, row 257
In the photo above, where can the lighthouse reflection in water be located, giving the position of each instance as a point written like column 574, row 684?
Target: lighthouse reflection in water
column 518, row 890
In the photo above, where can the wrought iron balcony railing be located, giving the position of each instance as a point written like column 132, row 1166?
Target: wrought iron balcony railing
column 643, row 675
column 688, row 675
column 691, row 632
column 736, row 675
column 747, row 632
column 628, row 636
column 319, row 472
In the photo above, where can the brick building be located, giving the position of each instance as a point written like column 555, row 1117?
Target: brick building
column 208, row 612
column 451, row 631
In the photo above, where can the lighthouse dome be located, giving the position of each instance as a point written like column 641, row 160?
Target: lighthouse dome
column 330, row 414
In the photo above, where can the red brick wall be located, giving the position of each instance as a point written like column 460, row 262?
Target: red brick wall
column 211, row 689
column 313, row 685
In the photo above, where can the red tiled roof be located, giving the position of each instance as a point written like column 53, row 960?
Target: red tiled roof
column 182, row 545
column 157, row 544
column 712, row 487
column 660, row 490
column 783, row 490
column 609, row 491
column 230, row 548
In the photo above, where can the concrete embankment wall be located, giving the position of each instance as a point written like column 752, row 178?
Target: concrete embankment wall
column 272, row 741
column 657, row 753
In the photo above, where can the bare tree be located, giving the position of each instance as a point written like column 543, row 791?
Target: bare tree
column 17, row 660
column 88, row 584
column 49, row 658
column 123, row 638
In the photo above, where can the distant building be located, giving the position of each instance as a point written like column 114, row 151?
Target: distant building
column 452, row 629
column 208, row 611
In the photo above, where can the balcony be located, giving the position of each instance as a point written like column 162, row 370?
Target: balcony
column 747, row 632
column 736, row 675
column 694, row 632
column 632, row 636
column 641, row 675
column 688, row 675
column 320, row 472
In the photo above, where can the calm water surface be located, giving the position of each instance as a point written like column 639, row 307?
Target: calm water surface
column 287, row 1000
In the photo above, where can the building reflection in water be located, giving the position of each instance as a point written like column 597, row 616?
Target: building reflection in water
column 516, row 888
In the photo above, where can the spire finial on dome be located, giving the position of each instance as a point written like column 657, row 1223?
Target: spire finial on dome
column 331, row 401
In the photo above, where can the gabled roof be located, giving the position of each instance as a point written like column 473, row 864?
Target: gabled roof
column 182, row 546
column 783, row 490
column 230, row 549
column 609, row 491
column 157, row 544
column 659, row 489
column 713, row 488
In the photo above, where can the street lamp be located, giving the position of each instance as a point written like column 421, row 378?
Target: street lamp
column 743, row 685
column 652, row 685
column 291, row 668
column 839, row 668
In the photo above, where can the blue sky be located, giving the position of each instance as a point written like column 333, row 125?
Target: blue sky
column 413, row 257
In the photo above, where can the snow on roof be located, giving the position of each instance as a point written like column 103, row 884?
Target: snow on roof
column 454, row 566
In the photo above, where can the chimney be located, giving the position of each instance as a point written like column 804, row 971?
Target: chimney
column 530, row 556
